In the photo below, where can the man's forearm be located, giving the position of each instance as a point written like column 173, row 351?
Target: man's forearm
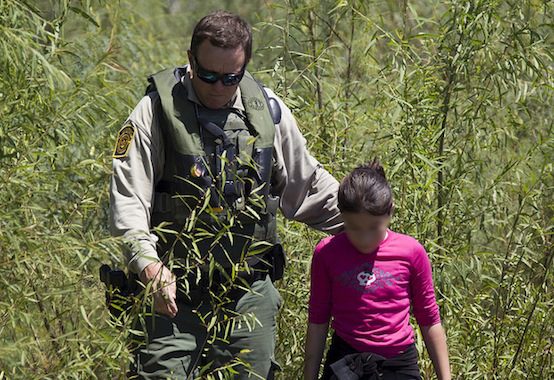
column 139, row 249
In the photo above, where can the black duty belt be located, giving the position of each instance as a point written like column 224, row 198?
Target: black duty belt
column 194, row 290
column 197, row 286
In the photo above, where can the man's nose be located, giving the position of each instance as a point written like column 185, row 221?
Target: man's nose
column 218, row 86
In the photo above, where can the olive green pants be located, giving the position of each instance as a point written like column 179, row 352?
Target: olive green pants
column 241, row 339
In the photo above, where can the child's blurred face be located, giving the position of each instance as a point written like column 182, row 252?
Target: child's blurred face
column 365, row 231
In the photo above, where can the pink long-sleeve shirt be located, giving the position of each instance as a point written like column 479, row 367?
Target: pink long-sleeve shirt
column 369, row 295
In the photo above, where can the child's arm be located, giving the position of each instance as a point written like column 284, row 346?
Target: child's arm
column 313, row 353
column 435, row 341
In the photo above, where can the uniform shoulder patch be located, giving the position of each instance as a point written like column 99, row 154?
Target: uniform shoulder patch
column 124, row 139
column 255, row 103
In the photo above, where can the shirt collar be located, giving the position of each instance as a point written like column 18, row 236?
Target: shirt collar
column 235, row 103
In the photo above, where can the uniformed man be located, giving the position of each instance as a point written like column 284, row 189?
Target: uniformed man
column 200, row 167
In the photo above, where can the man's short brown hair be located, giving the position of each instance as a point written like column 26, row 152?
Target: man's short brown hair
column 224, row 30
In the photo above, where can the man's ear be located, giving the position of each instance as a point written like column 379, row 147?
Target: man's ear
column 191, row 63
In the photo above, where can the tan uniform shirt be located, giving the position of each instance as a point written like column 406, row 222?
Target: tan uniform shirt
column 308, row 192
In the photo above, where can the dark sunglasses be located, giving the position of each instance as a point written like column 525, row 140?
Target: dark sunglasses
column 211, row 77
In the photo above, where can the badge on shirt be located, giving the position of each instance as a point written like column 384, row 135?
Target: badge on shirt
column 124, row 139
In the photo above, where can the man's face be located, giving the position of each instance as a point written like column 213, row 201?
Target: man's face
column 365, row 231
column 218, row 61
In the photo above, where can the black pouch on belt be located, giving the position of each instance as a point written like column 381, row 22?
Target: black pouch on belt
column 278, row 262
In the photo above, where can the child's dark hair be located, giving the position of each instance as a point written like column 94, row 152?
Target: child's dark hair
column 366, row 189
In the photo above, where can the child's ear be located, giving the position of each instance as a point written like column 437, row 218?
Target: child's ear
column 391, row 210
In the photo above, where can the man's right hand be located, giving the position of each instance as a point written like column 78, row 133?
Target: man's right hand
column 163, row 286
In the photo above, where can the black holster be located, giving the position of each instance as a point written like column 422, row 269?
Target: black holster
column 120, row 290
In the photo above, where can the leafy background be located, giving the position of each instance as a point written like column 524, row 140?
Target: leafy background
column 454, row 96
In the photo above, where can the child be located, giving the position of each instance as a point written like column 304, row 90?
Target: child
column 366, row 278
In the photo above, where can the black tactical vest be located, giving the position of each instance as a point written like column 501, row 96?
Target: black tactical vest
column 212, row 203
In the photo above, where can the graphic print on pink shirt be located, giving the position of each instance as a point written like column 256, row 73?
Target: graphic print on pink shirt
column 366, row 279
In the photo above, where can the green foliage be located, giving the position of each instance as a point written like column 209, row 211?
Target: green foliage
column 455, row 98
column 58, row 105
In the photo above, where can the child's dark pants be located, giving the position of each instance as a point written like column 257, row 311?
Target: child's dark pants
column 352, row 364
